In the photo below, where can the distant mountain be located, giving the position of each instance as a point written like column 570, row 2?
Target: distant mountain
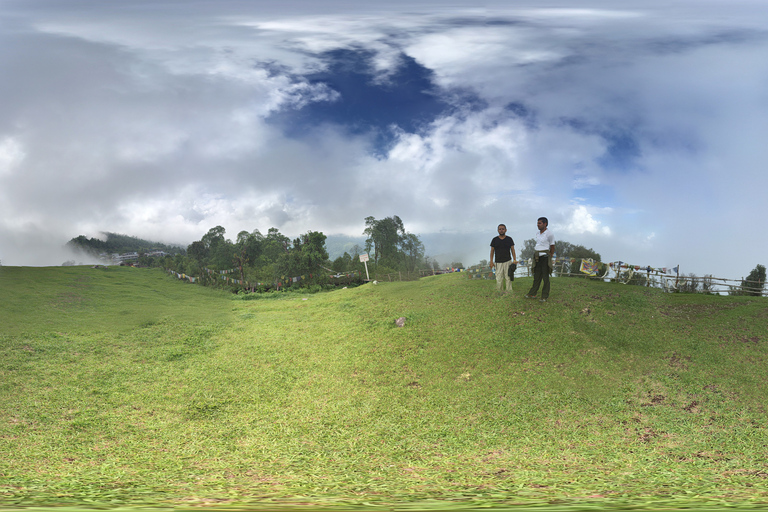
column 337, row 245
column 120, row 244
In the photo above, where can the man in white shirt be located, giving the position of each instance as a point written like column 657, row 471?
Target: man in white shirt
column 543, row 253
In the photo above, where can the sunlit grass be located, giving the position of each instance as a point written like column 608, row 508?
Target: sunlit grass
column 605, row 395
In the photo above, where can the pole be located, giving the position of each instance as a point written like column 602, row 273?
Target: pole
column 364, row 259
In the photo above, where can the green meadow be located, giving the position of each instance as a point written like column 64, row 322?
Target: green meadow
column 125, row 387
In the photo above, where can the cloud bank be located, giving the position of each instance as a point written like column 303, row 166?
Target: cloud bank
column 637, row 130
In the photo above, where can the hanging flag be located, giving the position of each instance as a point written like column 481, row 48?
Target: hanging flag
column 588, row 266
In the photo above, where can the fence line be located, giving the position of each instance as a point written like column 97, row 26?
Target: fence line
column 657, row 278
column 654, row 278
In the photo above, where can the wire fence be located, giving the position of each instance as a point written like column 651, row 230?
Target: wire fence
column 632, row 275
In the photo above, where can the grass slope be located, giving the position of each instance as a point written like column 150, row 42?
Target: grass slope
column 124, row 386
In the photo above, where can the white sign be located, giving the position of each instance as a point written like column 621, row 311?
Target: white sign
column 364, row 259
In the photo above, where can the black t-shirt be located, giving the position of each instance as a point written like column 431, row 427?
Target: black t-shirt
column 502, row 249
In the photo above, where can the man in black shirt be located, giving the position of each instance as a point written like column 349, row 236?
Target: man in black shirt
column 501, row 247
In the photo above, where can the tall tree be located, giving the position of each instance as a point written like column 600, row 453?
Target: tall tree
column 305, row 257
column 197, row 251
column 384, row 237
column 413, row 250
column 275, row 244
column 213, row 237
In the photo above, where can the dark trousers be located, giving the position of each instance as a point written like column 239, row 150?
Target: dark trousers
column 540, row 273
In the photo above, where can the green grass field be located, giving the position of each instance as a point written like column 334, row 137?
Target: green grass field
column 125, row 387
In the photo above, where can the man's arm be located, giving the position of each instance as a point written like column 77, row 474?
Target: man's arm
column 491, row 261
column 551, row 244
column 514, row 255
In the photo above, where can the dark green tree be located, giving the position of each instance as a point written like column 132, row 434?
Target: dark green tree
column 384, row 238
column 213, row 237
column 275, row 245
column 197, row 251
column 390, row 246
column 305, row 258
column 413, row 251
column 755, row 282
column 343, row 263
column 313, row 253
column 250, row 244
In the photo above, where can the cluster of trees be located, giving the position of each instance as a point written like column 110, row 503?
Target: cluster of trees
column 391, row 249
column 274, row 257
column 263, row 260
column 754, row 284
column 255, row 257
column 391, row 246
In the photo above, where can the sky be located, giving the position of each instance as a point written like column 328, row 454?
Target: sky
column 638, row 128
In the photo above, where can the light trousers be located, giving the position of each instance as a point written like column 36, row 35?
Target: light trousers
column 502, row 274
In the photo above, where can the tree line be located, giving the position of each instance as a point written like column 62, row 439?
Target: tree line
column 274, row 260
column 265, row 261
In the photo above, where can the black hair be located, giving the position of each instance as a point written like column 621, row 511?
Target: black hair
column 505, row 226
column 544, row 219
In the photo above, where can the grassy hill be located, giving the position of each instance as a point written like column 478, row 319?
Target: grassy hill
column 124, row 386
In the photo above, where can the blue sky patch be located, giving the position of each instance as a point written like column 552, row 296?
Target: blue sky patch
column 407, row 98
column 622, row 147
column 622, row 151
column 520, row 111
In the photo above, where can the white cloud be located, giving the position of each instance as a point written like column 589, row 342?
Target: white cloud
column 581, row 221
column 157, row 122
column 11, row 155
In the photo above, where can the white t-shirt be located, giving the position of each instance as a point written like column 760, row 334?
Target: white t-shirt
column 544, row 240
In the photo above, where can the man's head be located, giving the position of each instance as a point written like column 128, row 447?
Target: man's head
column 542, row 223
column 502, row 229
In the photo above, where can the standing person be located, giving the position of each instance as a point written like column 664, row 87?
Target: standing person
column 543, row 253
column 501, row 247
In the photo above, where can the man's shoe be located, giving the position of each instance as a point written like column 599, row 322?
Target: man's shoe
column 530, row 296
column 542, row 300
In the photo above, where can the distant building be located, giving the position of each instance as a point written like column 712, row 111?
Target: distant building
column 122, row 258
